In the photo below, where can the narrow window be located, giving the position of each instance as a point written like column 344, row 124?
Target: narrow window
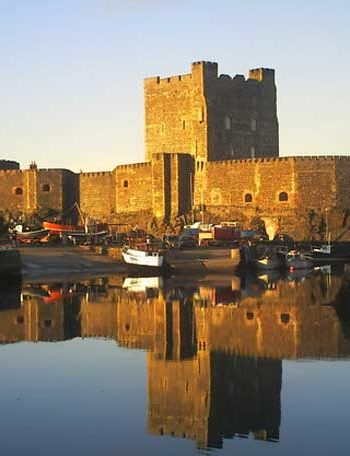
column 162, row 128
column 18, row 191
column 46, row 188
column 285, row 318
column 228, row 123
column 253, row 124
column 201, row 114
column 184, row 124
column 125, row 184
column 248, row 198
column 283, row 196
column 250, row 315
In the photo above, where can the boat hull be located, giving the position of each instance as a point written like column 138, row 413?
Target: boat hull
column 268, row 264
column 143, row 259
column 299, row 264
column 32, row 236
column 324, row 258
column 58, row 228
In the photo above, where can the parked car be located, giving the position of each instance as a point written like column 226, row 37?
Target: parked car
column 186, row 242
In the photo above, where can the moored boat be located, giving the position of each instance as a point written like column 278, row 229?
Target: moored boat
column 268, row 262
column 31, row 236
column 330, row 253
column 78, row 232
column 297, row 260
column 60, row 228
column 143, row 255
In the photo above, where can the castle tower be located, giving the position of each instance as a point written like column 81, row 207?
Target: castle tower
column 212, row 117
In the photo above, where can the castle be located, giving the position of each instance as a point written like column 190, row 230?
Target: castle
column 212, row 150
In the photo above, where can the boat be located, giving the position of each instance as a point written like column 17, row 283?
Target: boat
column 143, row 255
column 28, row 237
column 60, row 228
column 268, row 262
column 297, row 260
column 330, row 253
column 76, row 231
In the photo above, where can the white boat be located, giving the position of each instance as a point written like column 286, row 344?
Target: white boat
column 268, row 262
column 297, row 260
column 143, row 256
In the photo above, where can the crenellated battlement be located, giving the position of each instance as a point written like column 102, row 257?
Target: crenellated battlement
column 133, row 166
column 249, row 161
column 10, row 171
column 315, row 158
column 97, row 174
column 262, row 74
column 155, row 81
column 211, row 68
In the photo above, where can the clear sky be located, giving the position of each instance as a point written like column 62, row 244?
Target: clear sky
column 71, row 78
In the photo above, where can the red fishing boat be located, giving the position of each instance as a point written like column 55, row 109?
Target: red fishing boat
column 75, row 231
column 60, row 228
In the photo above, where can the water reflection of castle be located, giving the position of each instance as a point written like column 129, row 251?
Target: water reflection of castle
column 214, row 361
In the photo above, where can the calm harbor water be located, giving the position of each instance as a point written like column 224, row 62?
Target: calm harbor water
column 149, row 366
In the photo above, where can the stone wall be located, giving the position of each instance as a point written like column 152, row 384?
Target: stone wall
column 172, row 180
column 12, row 197
column 303, row 195
column 290, row 189
column 26, row 191
column 133, row 187
column 97, row 194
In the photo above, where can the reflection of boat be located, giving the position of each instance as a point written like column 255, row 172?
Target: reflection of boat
column 300, row 274
column 30, row 292
column 297, row 260
column 142, row 284
column 143, row 255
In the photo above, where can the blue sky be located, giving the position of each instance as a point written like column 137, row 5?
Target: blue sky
column 71, row 79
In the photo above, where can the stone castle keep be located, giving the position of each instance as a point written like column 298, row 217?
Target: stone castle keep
column 212, row 150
